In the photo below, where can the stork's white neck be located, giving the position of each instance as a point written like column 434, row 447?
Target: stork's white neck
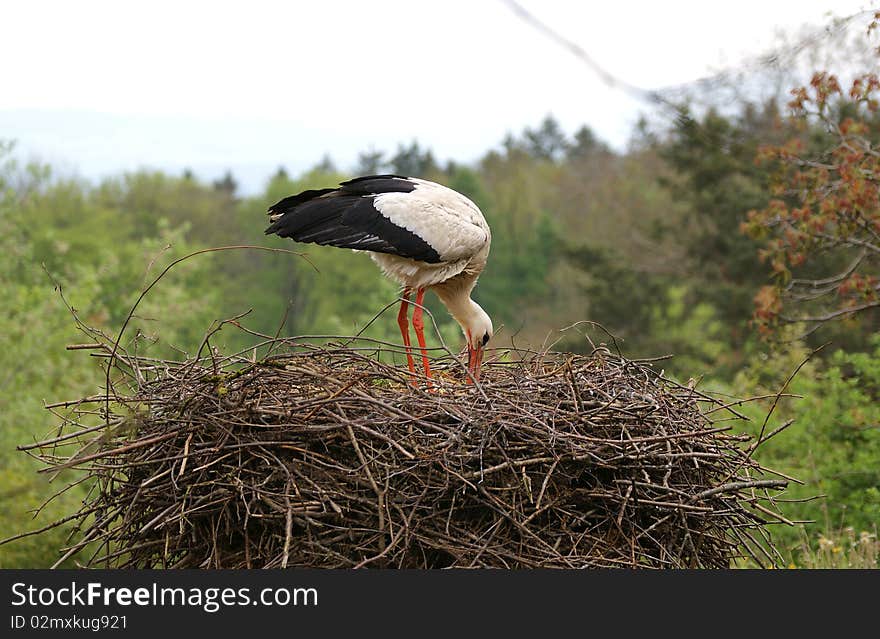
column 474, row 321
column 462, row 308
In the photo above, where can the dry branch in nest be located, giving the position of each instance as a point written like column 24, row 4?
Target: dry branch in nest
column 327, row 456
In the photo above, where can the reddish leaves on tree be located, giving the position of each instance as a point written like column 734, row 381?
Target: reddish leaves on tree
column 821, row 233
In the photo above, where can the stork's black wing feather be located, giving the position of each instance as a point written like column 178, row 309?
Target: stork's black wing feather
column 375, row 184
column 347, row 218
column 294, row 200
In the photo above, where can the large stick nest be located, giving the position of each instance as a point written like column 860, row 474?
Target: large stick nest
column 326, row 456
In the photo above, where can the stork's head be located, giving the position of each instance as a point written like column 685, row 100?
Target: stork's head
column 477, row 328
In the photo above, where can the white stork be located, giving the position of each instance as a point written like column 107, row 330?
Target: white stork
column 421, row 234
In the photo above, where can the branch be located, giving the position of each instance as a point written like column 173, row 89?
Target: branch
column 824, row 286
column 156, row 281
column 833, row 314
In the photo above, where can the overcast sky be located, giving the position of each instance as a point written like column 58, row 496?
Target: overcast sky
column 102, row 87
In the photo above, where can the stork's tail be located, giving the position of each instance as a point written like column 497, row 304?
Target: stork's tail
column 278, row 210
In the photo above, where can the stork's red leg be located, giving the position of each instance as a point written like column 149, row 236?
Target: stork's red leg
column 419, row 325
column 403, row 322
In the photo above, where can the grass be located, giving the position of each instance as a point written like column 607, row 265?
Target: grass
column 843, row 548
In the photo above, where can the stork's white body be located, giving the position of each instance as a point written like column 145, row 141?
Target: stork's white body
column 421, row 234
column 448, row 221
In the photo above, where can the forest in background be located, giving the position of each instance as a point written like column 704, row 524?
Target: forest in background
column 692, row 243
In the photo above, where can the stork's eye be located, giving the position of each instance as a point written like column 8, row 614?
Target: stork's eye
column 485, row 339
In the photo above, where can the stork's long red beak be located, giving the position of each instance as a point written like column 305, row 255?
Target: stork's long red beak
column 475, row 359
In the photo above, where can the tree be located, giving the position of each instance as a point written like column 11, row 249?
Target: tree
column 326, row 165
column 226, row 184
column 547, row 142
column 820, row 233
column 834, row 443
column 713, row 157
column 413, row 161
column 86, row 240
column 585, row 144
column 370, row 162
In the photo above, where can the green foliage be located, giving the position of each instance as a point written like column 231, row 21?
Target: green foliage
column 617, row 293
column 585, row 144
column 58, row 236
column 834, row 444
column 413, row 161
column 35, row 329
column 691, row 331
column 713, row 157
column 547, row 142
